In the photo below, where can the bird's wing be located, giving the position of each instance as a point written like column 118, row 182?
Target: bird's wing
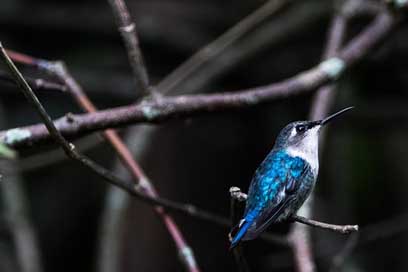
column 286, row 187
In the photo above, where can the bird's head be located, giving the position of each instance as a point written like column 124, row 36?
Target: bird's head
column 302, row 137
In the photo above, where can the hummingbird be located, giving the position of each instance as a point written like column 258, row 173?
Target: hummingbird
column 284, row 180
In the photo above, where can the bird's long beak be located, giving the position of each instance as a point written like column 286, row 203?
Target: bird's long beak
column 333, row 116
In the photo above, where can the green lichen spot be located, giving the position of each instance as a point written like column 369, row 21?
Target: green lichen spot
column 6, row 152
column 251, row 100
column 16, row 135
column 333, row 67
column 150, row 112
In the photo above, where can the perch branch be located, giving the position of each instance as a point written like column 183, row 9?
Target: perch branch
column 238, row 195
column 343, row 229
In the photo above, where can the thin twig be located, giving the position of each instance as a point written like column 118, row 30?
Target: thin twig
column 127, row 29
column 343, row 229
column 238, row 195
column 36, row 83
column 23, row 58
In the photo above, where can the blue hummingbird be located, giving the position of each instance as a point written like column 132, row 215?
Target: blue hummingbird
column 284, row 180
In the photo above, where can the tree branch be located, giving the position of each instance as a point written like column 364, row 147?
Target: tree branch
column 343, row 229
column 238, row 195
column 151, row 111
column 127, row 29
column 36, row 83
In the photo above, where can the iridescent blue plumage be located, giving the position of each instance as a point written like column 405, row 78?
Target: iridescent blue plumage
column 278, row 188
column 284, row 180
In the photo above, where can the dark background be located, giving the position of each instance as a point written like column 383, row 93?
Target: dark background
column 363, row 176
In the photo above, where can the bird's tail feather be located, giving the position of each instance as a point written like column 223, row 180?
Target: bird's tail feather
column 241, row 230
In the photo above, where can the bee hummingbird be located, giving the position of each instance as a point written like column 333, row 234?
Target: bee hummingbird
column 284, row 180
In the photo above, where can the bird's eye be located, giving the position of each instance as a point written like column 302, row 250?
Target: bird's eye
column 300, row 128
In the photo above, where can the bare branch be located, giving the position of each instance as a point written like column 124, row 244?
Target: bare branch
column 343, row 229
column 36, row 83
column 238, row 195
column 127, row 29
column 188, row 105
